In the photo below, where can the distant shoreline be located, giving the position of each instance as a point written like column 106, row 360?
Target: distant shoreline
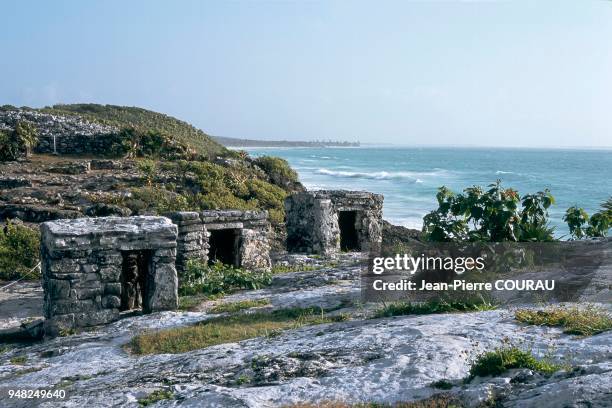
column 235, row 142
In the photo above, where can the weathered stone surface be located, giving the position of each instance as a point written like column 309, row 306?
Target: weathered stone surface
column 313, row 220
column 14, row 182
column 35, row 213
column 77, row 167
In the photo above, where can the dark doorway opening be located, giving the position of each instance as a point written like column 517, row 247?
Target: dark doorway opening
column 224, row 246
column 349, row 239
column 135, row 271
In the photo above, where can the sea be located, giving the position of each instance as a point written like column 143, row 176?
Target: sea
column 409, row 177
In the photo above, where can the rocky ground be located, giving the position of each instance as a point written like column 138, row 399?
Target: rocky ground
column 362, row 359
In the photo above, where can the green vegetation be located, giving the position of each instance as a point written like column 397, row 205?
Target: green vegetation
column 219, row 278
column 19, row 252
column 19, row 360
column 134, row 142
column 475, row 304
column 189, row 302
column 499, row 360
column 584, row 321
column 18, row 142
column 227, row 329
column 491, row 215
column 233, row 307
column 583, row 226
column 208, row 176
column 443, row 400
column 155, row 396
column 442, row 384
column 125, row 117
column 500, row 214
column 280, row 269
column 279, row 171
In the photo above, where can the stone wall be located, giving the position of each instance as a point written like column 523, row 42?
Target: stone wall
column 73, row 135
column 192, row 240
column 82, row 263
column 312, row 220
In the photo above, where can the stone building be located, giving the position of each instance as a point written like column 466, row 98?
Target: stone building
column 233, row 237
column 95, row 268
column 328, row 221
column 238, row 238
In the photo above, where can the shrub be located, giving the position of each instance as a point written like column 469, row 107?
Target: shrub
column 279, row 171
column 586, row 321
column 491, row 215
column 158, row 199
column 220, row 278
column 19, row 251
column 155, row 396
column 135, row 142
column 582, row 226
column 476, row 304
column 496, row 362
column 17, row 142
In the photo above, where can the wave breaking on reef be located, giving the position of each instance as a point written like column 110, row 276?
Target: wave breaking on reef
column 378, row 175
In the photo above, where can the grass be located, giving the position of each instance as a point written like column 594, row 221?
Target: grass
column 233, row 307
column 435, row 401
column 189, row 302
column 434, row 306
column 19, row 360
column 227, row 329
column 501, row 359
column 585, row 321
column 280, row 269
column 155, row 396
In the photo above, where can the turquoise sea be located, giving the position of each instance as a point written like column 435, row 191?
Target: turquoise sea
column 410, row 177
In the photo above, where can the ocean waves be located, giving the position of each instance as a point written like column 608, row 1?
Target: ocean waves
column 415, row 177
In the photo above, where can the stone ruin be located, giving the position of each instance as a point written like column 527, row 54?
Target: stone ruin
column 233, row 237
column 95, row 268
column 329, row 221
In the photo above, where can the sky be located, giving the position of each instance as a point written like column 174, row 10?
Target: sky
column 484, row 73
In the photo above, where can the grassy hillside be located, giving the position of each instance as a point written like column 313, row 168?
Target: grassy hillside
column 124, row 116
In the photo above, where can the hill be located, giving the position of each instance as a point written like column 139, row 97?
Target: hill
column 114, row 160
column 124, row 116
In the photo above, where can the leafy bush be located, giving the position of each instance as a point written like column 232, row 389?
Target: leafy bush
column 17, row 142
column 19, row 251
column 491, row 215
column 220, row 278
column 582, row 226
column 496, row 362
column 134, row 142
column 279, row 171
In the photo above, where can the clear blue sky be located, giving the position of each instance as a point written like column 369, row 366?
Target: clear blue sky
column 518, row 73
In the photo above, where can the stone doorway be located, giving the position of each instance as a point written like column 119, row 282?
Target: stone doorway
column 135, row 272
column 224, row 245
column 349, row 238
